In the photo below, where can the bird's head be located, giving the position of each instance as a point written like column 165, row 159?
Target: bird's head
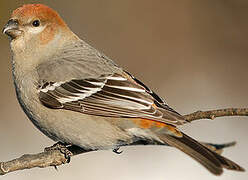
column 35, row 25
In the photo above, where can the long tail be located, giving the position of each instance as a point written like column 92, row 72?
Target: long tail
column 208, row 158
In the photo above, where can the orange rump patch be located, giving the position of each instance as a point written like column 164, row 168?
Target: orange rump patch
column 147, row 124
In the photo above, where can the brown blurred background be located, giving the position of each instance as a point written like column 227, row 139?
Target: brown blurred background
column 192, row 52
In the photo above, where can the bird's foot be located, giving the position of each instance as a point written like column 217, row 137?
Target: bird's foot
column 116, row 150
column 62, row 147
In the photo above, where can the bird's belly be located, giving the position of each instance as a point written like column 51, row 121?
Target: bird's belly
column 86, row 131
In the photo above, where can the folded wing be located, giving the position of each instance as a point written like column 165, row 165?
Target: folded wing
column 115, row 95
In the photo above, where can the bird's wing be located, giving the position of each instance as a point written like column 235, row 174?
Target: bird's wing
column 112, row 95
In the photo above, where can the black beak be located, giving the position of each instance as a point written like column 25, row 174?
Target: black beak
column 12, row 28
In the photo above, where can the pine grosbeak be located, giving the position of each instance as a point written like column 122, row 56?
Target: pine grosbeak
column 76, row 95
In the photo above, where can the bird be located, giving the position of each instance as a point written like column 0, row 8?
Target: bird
column 76, row 95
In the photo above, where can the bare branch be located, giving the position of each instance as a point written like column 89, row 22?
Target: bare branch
column 44, row 159
column 216, row 113
column 56, row 158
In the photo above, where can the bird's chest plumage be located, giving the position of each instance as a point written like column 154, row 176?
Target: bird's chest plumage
column 27, row 95
column 61, row 125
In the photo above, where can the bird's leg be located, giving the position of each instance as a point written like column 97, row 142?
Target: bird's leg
column 116, row 150
column 62, row 147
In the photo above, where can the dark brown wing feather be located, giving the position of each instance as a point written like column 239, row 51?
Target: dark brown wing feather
column 117, row 95
column 209, row 159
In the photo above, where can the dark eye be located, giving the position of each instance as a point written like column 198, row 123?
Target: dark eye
column 36, row 23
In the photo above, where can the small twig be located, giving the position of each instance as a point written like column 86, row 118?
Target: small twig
column 216, row 113
column 44, row 159
column 55, row 157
